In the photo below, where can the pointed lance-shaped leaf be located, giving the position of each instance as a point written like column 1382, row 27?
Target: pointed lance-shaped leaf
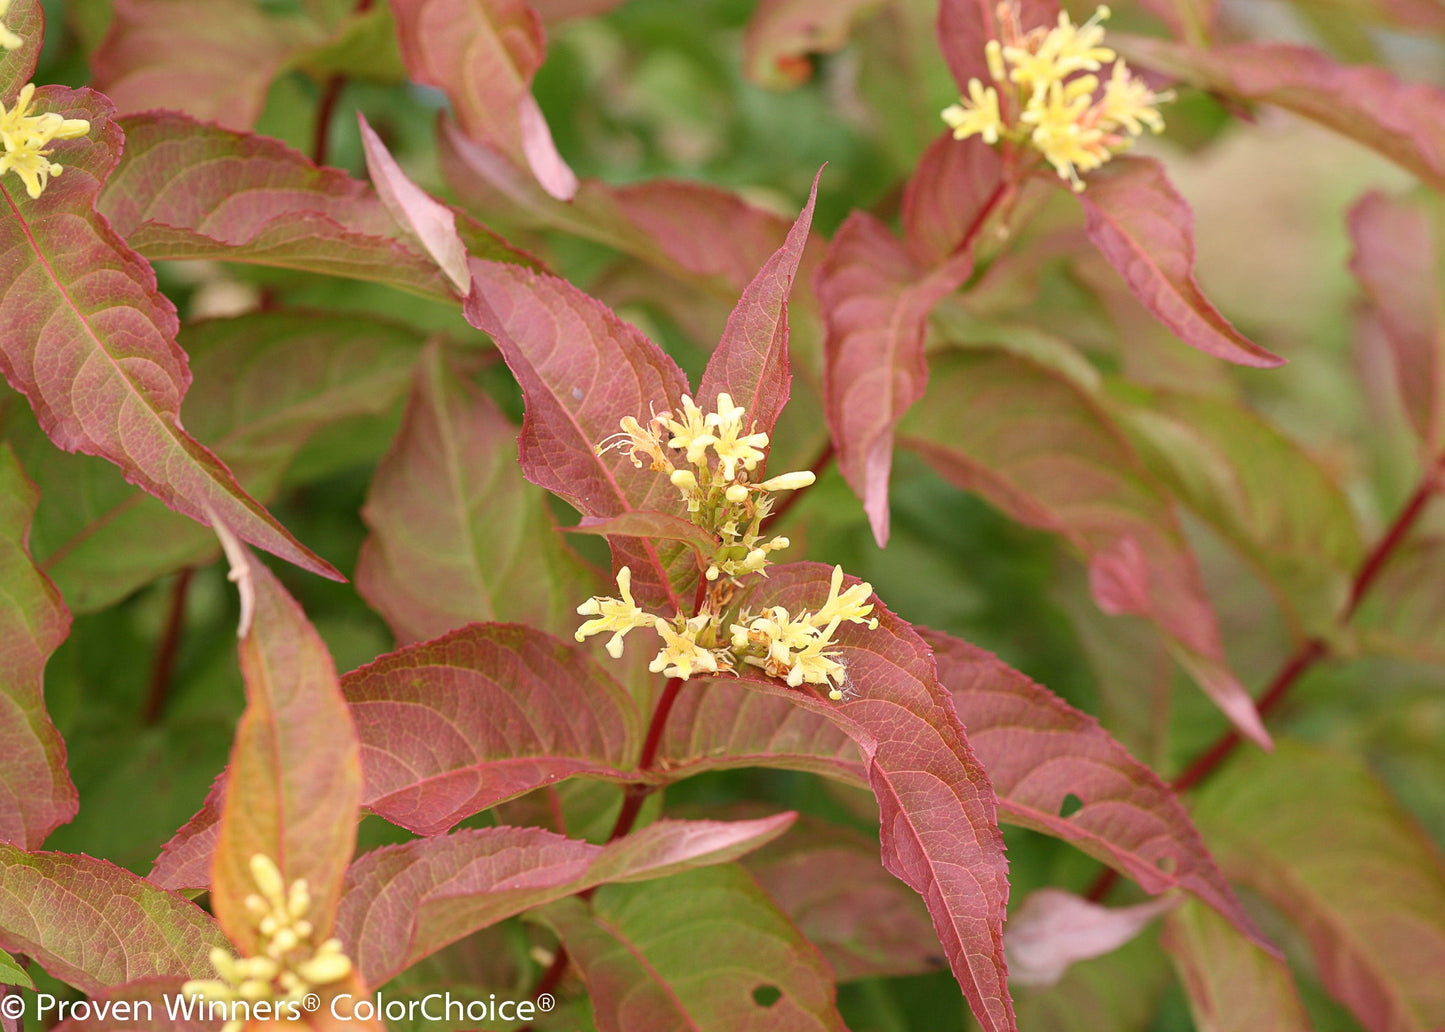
column 949, row 197
column 1044, row 451
column 26, row 19
column 96, row 926
column 938, row 818
column 91, row 342
column 36, row 794
column 453, row 726
column 744, row 966
column 1145, row 230
column 294, row 783
column 406, row 902
column 483, row 54
column 875, row 301
column 965, row 26
column 582, row 369
column 457, row 535
column 751, row 361
column 185, row 861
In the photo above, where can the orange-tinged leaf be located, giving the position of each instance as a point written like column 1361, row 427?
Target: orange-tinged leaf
column 92, row 343
column 294, row 783
column 36, row 794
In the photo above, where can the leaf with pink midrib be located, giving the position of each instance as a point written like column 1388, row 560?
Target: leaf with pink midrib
column 949, row 195
column 1141, row 225
column 36, row 793
column 582, row 369
column 92, row 343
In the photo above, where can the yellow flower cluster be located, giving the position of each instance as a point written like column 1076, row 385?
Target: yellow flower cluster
column 26, row 138
column 1045, row 95
column 291, row 965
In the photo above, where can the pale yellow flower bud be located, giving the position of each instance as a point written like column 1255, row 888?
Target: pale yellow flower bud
column 267, row 877
column 736, row 493
column 789, row 481
column 325, row 968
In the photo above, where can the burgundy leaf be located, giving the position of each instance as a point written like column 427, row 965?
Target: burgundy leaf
column 96, row 926
column 1041, row 448
column 294, row 782
column 483, row 54
column 456, row 534
column 938, row 825
column 582, row 369
column 949, row 196
column 751, row 361
column 640, row 978
column 214, row 61
column 1398, row 260
column 430, row 221
column 782, row 33
column 406, row 902
column 1145, row 230
column 185, row 861
column 26, row 19
column 454, row 726
column 875, row 302
column 91, row 342
column 36, row 794
column 964, row 26
column 1403, row 121
column 1053, row 929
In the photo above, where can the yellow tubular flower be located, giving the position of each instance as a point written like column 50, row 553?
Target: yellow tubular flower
column 852, row 605
column 24, row 137
column 734, row 447
column 977, row 116
column 681, row 655
column 1129, row 103
column 616, row 615
column 814, row 666
column 691, row 432
column 634, row 438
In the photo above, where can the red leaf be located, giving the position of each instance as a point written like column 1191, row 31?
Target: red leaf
column 406, row 902
column 456, row 534
column 91, row 342
column 36, row 794
column 952, row 191
column 1041, row 448
column 1145, row 230
column 294, row 781
column 875, row 303
column 581, row 370
column 187, row 190
column 1403, row 121
column 782, row 33
column 430, row 221
column 658, row 526
column 96, row 926
column 964, row 26
column 1054, row 929
column 185, row 860
column 751, row 360
column 457, row 725
column 26, row 19
column 1398, row 258
column 215, row 63
column 483, row 54
column 1038, row 751
column 938, row 825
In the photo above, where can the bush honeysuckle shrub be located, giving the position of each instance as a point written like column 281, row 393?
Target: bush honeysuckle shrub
column 581, row 449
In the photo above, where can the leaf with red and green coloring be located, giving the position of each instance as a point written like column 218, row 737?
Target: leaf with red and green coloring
column 293, row 786
column 1041, row 754
column 582, row 369
column 965, row 26
column 186, row 190
column 432, row 223
column 483, row 54
column 864, row 921
column 1145, row 230
column 406, row 902
column 939, row 825
column 875, row 301
column 185, row 861
column 1052, row 930
column 750, row 363
column 1233, row 985
column 1357, row 876
column 36, row 794
column 215, row 62
column 1403, row 121
column 96, row 926
column 1405, row 609
column 1399, row 257
column 457, row 536
column 265, row 384
column 659, row 526
column 92, row 343
column 1043, row 450
column 26, row 19
column 705, row 950
column 454, row 726
column 781, row 34
column 950, row 195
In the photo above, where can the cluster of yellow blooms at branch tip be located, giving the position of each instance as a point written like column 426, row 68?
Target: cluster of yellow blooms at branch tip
column 1044, row 95
column 721, row 498
column 291, row 965
column 26, row 139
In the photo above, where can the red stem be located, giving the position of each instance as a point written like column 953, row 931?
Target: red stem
column 165, row 661
column 819, row 464
column 330, row 94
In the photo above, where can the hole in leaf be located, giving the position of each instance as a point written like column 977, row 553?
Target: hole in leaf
column 1071, row 805
column 767, row 995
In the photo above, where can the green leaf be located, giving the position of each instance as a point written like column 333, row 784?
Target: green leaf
column 12, row 973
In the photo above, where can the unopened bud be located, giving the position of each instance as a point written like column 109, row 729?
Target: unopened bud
column 267, row 877
column 325, row 968
column 737, row 493
column 789, row 481
column 683, row 480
